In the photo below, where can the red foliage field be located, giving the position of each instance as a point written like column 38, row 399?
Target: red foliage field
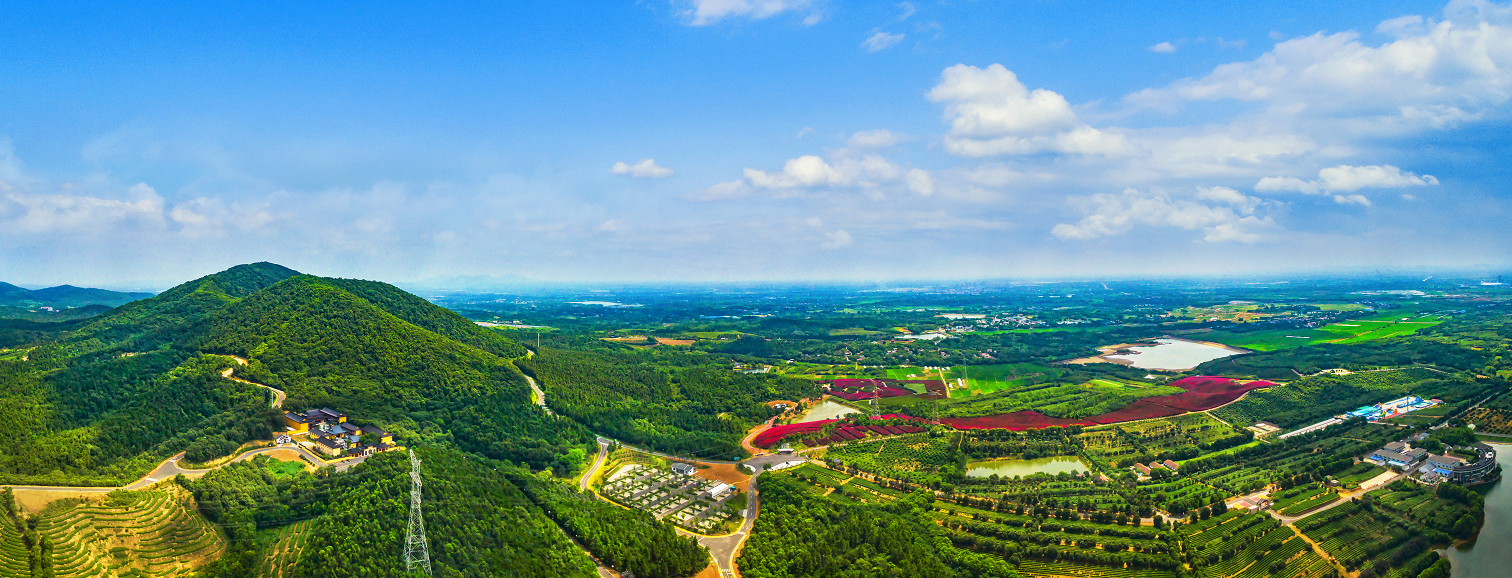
column 770, row 436
column 1019, row 420
column 1140, row 409
column 1203, row 392
column 859, row 389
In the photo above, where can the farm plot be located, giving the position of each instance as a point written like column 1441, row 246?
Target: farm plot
column 1044, row 569
column 1252, row 546
column 143, row 533
column 898, row 457
column 13, row 555
column 1496, row 421
column 287, row 543
column 687, row 501
column 1100, row 549
column 1354, row 535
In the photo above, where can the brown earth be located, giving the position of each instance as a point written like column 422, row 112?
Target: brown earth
column 665, row 341
column 727, row 473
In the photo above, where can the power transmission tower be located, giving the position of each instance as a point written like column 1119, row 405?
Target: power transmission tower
column 416, row 552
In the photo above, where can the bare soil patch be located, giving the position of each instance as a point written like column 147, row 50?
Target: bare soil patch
column 727, row 473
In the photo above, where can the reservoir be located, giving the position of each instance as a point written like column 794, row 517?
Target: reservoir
column 1489, row 555
column 1010, row 468
column 826, row 410
column 1173, row 355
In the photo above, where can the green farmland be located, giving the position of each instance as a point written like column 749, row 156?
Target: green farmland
column 1384, row 324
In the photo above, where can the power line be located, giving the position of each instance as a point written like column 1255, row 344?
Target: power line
column 416, row 551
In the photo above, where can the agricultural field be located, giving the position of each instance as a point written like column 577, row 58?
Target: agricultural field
column 14, row 560
column 844, row 488
column 285, row 545
column 1354, row 535
column 1180, row 495
column 906, row 457
column 1250, row 546
column 1237, row 479
column 1307, row 400
column 128, row 534
column 982, row 379
column 1359, row 474
column 1045, row 544
column 1178, row 437
column 1492, row 421
column 1380, row 325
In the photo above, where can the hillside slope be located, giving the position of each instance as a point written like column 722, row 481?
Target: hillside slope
column 104, row 402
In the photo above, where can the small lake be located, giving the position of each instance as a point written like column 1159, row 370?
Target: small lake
column 1489, row 555
column 1010, row 468
column 826, row 410
column 1173, row 355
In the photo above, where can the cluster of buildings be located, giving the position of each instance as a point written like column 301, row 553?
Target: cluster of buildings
column 1434, row 468
column 1145, row 470
column 1393, row 408
column 330, row 434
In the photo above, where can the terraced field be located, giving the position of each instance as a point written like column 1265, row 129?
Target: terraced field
column 13, row 560
column 287, row 544
column 129, row 535
column 1042, row 569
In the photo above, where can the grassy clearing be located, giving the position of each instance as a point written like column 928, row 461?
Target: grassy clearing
column 1382, row 325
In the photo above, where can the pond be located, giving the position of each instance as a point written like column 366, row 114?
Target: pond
column 1010, row 468
column 827, row 410
column 1489, row 555
column 1173, row 355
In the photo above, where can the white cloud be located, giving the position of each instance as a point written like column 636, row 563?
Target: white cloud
column 1108, row 214
column 1163, row 48
column 873, row 139
column 609, row 226
column 646, row 168
column 870, row 172
column 837, row 239
column 805, row 131
column 1346, row 179
column 705, row 12
column 1432, row 73
column 880, row 40
column 919, row 181
column 992, row 113
column 28, row 213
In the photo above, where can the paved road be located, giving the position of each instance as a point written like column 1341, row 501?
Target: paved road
column 540, row 396
column 278, row 394
column 598, row 462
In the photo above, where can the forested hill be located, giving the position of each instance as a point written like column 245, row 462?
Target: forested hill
column 103, row 402
column 64, row 296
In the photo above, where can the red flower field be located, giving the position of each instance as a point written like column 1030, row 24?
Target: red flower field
column 772, row 436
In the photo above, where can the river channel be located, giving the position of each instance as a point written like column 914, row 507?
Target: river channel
column 1489, row 556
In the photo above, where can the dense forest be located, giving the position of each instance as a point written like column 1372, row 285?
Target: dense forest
column 685, row 404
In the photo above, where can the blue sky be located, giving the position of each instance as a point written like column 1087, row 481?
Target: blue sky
column 787, row 139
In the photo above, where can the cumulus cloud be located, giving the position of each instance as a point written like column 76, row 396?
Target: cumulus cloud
column 1231, row 219
column 705, row 12
column 646, row 168
column 837, row 239
column 873, row 139
column 991, row 113
column 1432, row 74
column 1163, row 48
column 29, row 213
column 880, row 40
column 1346, row 179
column 846, row 170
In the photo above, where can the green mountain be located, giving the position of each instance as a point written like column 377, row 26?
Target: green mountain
column 64, row 297
column 104, row 402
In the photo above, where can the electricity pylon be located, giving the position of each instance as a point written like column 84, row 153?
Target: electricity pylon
column 416, row 552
